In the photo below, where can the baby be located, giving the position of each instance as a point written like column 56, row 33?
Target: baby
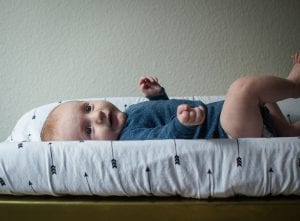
column 249, row 107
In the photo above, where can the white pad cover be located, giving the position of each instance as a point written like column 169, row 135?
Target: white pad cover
column 189, row 168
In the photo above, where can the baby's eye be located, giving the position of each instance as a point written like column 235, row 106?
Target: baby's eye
column 87, row 108
column 88, row 130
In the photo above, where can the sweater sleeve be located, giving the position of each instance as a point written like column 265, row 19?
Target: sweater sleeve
column 161, row 96
column 173, row 130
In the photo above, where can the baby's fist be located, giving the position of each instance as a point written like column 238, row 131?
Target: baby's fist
column 190, row 116
column 149, row 86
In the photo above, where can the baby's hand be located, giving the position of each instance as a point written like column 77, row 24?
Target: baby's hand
column 190, row 116
column 149, row 86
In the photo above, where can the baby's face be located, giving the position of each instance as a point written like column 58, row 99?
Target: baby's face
column 89, row 120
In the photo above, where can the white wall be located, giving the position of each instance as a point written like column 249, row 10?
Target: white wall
column 55, row 50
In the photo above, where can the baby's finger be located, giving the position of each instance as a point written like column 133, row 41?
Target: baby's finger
column 143, row 80
column 298, row 58
column 182, row 107
column 152, row 79
column 293, row 58
column 200, row 115
column 185, row 116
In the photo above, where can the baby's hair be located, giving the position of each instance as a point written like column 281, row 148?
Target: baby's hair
column 49, row 130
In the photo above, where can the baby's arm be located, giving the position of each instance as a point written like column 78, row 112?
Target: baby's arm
column 152, row 89
column 190, row 116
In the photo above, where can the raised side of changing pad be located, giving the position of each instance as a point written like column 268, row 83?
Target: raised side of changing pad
column 202, row 169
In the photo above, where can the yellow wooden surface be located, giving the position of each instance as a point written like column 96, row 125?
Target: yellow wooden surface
column 114, row 208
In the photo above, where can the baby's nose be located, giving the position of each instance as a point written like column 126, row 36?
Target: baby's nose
column 100, row 118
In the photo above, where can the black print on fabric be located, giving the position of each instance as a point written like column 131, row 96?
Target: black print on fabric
column 87, row 181
column 29, row 137
column 177, row 158
column 298, row 162
column 149, row 180
column 239, row 162
column 52, row 167
column 113, row 161
column 31, row 186
column 20, row 145
column 270, row 180
column 34, row 116
column 210, row 179
column 2, row 183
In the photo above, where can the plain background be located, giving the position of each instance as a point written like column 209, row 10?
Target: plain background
column 56, row 50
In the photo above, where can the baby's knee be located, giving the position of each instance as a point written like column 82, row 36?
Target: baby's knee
column 244, row 85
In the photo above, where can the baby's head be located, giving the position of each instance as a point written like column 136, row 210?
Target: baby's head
column 83, row 120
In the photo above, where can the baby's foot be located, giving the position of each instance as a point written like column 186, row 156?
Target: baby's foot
column 295, row 72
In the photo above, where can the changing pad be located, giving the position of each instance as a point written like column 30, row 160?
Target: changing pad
column 189, row 168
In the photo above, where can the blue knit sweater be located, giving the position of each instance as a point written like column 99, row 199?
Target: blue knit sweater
column 157, row 119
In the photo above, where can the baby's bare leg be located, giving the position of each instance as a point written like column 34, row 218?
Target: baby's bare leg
column 282, row 126
column 279, row 122
column 241, row 115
